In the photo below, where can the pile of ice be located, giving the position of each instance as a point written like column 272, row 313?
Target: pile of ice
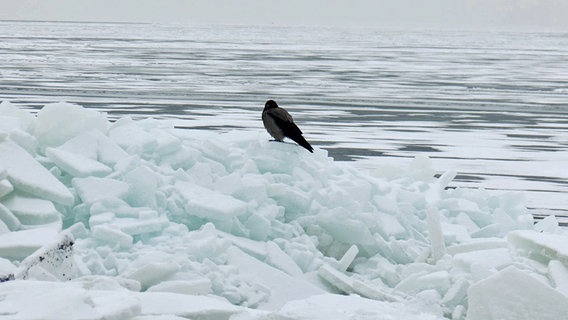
column 139, row 220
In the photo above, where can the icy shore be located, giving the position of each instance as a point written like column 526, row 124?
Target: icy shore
column 139, row 220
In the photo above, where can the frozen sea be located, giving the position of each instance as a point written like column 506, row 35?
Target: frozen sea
column 492, row 106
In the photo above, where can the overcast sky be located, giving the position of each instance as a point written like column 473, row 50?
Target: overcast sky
column 510, row 14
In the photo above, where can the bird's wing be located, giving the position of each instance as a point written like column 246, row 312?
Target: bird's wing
column 281, row 114
column 284, row 121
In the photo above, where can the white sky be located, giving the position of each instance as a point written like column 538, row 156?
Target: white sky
column 509, row 14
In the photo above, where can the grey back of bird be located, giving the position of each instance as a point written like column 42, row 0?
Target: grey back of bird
column 279, row 124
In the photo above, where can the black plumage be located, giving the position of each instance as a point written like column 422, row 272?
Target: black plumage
column 279, row 124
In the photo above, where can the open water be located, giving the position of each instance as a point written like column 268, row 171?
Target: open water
column 492, row 106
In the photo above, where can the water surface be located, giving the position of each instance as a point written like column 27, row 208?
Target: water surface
column 491, row 105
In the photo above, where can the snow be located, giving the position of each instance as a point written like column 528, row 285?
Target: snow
column 186, row 306
column 139, row 220
column 56, row 300
column 512, row 294
column 349, row 307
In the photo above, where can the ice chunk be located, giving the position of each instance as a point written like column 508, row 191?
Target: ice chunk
column 153, row 273
column 61, row 300
column 549, row 224
column 59, row 122
column 78, row 230
column 541, row 246
column 456, row 293
column 7, row 270
column 336, row 278
column 252, row 187
column 282, row 261
column 114, row 306
column 9, row 218
column 144, row 184
column 24, row 140
column 77, row 165
column 32, row 211
column 21, row 119
column 490, row 230
column 5, row 187
column 112, row 235
column 166, row 143
column 91, row 189
column 465, row 221
column 345, row 229
column 477, row 244
column 283, row 288
column 389, row 226
column 95, row 145
column 206, row 244
column 206, row 203
column 348, row 257
column 103, row 218
column 253, row 248
column 278, row 160
column 446, row 178
column 140, row 226
column 258, row 226
column 189, row 307
column 115, row 205
column 3, row 173
column 85, row 144
column 127, row 134
column 421, row 281
column 421, row 168
column 20, row 244
column 3, row 228
column 106, row 283
column 108, row 152
column 558, row 274
column 329, row 306
column 367, row 290
column 185, row 157
column 352, row 284
column 161, row 317
column 197, row 286
column 54, row 260
column 26, row 174
column 386, row 204
column 513, row 294
column 496, row 259
column 437, row 243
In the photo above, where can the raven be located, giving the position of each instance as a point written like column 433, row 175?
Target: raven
column 278, row 122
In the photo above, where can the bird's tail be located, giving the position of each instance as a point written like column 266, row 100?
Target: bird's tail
column 299, row 139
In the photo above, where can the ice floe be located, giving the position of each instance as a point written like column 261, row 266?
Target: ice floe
column 136, row 219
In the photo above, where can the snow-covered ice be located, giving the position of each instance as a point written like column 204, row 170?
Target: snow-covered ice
column 136, row 219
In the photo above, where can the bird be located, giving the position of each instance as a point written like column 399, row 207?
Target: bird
column 279, row 124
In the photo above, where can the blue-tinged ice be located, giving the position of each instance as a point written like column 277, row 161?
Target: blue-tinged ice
column 138, row 220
